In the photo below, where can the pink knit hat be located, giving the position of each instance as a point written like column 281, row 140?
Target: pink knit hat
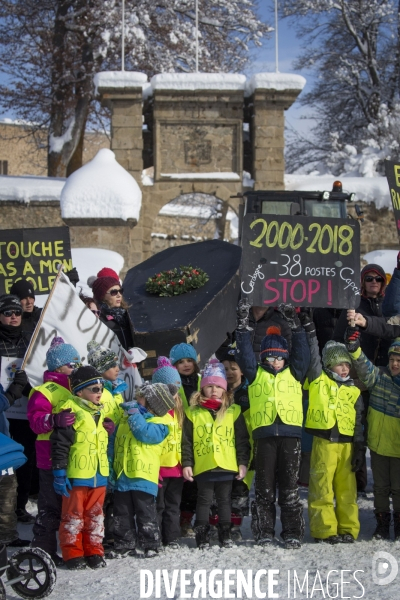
column 214, row 374
column 101, row 285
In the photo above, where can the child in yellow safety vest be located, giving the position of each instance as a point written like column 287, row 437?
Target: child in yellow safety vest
column 171, row 476
column 276, row 419
column 338, row 449
column 215, row 450
column 184, row 358
column 135, row 456
column 80, row 468
column 106, row 362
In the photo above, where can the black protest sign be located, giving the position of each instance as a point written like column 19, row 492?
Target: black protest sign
column 304, row 261
column 392, row 171
column 35, row 255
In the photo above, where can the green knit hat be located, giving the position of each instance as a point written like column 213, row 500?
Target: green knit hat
column 394, row 347
column 334, row 353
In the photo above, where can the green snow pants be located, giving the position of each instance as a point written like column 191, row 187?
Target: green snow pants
column 331, row 477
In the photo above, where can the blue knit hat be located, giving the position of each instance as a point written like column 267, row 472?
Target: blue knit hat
column 180, row 351
column 274, row 344
column 60, row 354
column 394, row 346
column 166, row 373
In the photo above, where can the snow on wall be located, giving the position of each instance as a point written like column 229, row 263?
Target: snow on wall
column 275, row 81
column 225, row 175
column 119, row 79
column 198, row 81
column 101, row 189
column 25, row 189
column 367, row 189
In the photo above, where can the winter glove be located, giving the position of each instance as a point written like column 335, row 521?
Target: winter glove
column 307, row 324
column 242, row 315
column 109, row 426
column 352, row 338
column 358, row 458
column 16, row 387
column 73, row 276
column 288, row 312
column 130, row 408
column 65, row 418
column 61, row 482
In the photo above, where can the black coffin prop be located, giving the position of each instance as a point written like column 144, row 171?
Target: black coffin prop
column 201, row 317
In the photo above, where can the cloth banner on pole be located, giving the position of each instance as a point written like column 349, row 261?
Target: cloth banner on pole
column 66, row 316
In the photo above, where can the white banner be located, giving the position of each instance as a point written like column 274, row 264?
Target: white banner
column 8, row 368
column 66, row 316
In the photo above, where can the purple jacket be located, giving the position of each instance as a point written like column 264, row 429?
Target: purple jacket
column 38, row 412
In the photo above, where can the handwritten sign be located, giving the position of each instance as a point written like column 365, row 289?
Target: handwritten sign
column 33, row 254
column 300, row 260
column 392, row 171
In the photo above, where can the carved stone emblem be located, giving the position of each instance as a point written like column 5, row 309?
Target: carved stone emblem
column 197, row 149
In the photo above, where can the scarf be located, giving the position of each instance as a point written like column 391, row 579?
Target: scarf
column 94, row 409
column 117, row 313
column 10, row 332
column 115, row 387
column 211, row 404
column 337, row 377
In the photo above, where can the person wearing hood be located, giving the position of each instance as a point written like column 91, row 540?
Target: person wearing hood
column 61, row 360
column 24, row 290
column 107, row 292
column 383, row 437
column 14, row 342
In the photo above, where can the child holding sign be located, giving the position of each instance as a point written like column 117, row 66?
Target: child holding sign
column 276, row 418
column 80, row 468
column 334, row 419
column 135, row 457
column 215, row 450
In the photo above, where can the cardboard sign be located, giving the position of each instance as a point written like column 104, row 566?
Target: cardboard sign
column 304, row 261
column 33, row 254
column 8, row 368
column 392, row 171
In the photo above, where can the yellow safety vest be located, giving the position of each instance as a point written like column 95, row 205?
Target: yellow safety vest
column 55, row 393
column 185, row 401
column 111, row 404
column 135, row 458
column 171, row 447
column 330, row 403
column 272, row 395
column 88, row 453
column 213, row 441
column 250, row 474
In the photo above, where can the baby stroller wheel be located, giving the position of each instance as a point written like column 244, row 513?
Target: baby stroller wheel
column 39, row 573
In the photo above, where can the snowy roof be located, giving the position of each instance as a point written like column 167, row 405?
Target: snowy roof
column 119, row 79
column 198, row 81
column 101, row 189
column 275, row 81
column 368, row 189
column 223, row 175
column 26, row 189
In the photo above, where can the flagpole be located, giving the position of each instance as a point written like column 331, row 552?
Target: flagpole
column 197, row 35
column 276, row 37
column 123, row 37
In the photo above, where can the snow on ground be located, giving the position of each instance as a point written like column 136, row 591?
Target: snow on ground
column 367, row 189
column 387, row 259
column 101, row 189
column 332, row 564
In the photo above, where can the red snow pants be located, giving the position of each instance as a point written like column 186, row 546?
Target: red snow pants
column 82, row 522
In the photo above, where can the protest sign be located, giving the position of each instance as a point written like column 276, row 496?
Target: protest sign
column 65, row 315
column 35, row 255
column 392, row 171
column 304, row 261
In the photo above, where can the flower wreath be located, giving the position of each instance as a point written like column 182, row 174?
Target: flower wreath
column 176, row 281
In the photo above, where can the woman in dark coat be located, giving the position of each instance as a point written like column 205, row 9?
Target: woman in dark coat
column 107, row 292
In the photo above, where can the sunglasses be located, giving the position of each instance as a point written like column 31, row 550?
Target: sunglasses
column 97, row 389
column 96, row 312
column 370, row 278
column 115, row 291
column 10, row 313
column 272, row 359
column 73, row 365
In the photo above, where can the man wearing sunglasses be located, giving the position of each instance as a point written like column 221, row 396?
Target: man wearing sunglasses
column 13, row 344
column 374, row 342
column 23, row 289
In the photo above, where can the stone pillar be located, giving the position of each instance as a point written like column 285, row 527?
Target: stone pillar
column 122, row 92
column 270, row 95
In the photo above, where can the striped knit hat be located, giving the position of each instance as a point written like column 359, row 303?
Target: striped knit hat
column 274, row 344
column 395, row 346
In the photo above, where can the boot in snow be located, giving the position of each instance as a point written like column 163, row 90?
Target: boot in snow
column 291, row 543
column 382, row 531
column 396, row 521
column 186, row 524
column 236, row 521
column 202, row 533
column 224, row 535
column 346, row 538
column 332, row 539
